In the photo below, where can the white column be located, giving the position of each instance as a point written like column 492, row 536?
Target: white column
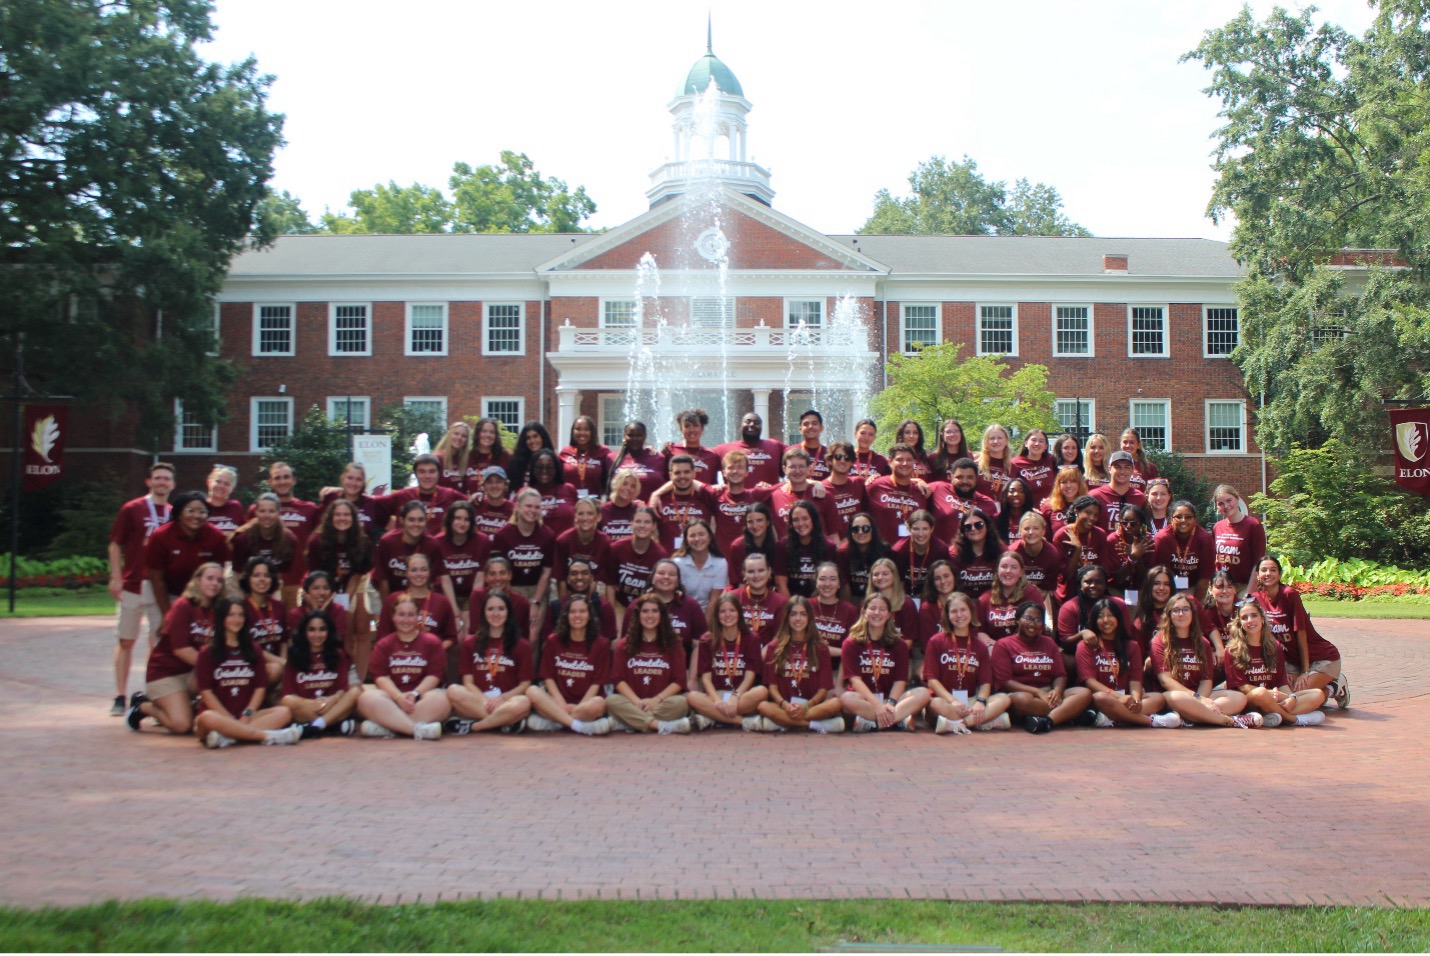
column 762, row 407
column 568, row 407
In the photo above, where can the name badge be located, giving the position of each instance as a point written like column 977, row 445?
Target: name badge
column 1130, row 595
column 343, row 601
column 960, row 695
column 1180, row 582
column 492, row 691
column 679, row 540
column 585, row 493
column 903, row 530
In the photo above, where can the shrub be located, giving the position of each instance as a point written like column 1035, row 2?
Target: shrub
column 1185, row 483
column 69, row 573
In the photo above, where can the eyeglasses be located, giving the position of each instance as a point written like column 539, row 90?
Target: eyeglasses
column 975, row 526
column 1183, row 609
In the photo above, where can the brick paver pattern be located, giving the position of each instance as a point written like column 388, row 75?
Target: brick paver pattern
column 94, row 812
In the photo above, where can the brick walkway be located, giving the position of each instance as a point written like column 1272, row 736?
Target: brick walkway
column 94, row 812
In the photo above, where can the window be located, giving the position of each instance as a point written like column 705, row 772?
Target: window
column 612, row 412
column 270, row 420
column 217, row 330
column 1153, row 421
column 503, row 332
column 712, row 312
column 355, row 410
column 806, row 312
column 1077, row 416
column 1072, row 330
column 190, row 434
column 511, row 412
column 349, row 330
column 997, row 330
column 1147, row 331
column 1226, row 427
column 431, row 405
column 1331, row 327
column 273, row 330
column 427, row 329
column 921, row 327
column 618, row 313
column 1222, row 331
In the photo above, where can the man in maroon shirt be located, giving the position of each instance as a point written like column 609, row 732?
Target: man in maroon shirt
column 811, row 429
column 493, row 507
column 1118, row 492
column 301, row 518
column 692, row 424
column 798, row 487
column 952, row 500
column 892, row 498
column 681, row 501
column 428, row 471
column 128, row 583
column 763, row 454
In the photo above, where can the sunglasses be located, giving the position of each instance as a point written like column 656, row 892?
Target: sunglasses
column 974, row 526
column 862, row 529
column 841, row 458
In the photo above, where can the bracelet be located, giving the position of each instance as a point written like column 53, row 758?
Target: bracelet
column 247, row 712
column 416, row 696
column 981, row 700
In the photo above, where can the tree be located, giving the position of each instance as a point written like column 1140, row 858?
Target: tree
column 514, row 197
column 393, row 209
column 1324, row 147
column 131, row 173
column 936, row 384
column 954, row 199
column 285, row 215
column 317, row 448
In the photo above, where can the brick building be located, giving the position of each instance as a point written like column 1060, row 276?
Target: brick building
column 546, row 327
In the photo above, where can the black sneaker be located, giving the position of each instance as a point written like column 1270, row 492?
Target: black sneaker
column 459, row 726
column 345, row 728
column 517, row 728
column 133, row 716
column 1037, row 725
column 1087, row 718
column 118, row 708
column 310, row 732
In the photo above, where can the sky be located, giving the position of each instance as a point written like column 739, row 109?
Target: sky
column 848, row 97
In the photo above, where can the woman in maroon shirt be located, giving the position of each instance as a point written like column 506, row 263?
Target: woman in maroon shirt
column 759, row 538
column 558, row 498
column 584, row 460
column 487, row 450
column 267, row 617
column 1094, row 461
column 575, row 667
column 582, row 540
column 389, row 571
column 532, row 439
column 1312, row 662
column 833, row 617
column 318, row 595
column 1082, row 541
column 454, row 451
column 1143, row 470
column 975, row 556
column 317, row 678
column 1159, row 505
column 799, row 677
column 868, row 463
column 265, row 535
column 687, row 617
column 435, row 615
column 1127, row 554
column 649, row 672
column 806, row 548
column 1067, row 452
column 530, row 548
column 1043, row 563
column 496, row 668
column 406, row 695
column 958, row 672
column 1239, row 538
column 1035, row 465
column 1182, row 659
column 911, row 433
column 225, row 513
column 1016, row 502
column 998, row 606
column 342, row 548
column 1068, row 487
column 728, row 661
column 1110, row 664
column 230, row 678
column 464, row 552
column 874, row 664
column 1255, row 664
column 952, row 445
column 169, row 675
column 915, row 554
column 857, row 555
column 1186, row 548
column 1028, row 667
column 994, row 458
column 633, row 454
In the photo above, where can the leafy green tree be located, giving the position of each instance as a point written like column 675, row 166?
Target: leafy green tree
column 1324, row 147
column 131, row 173
column 936, row 384
column 955, row 199
column 393, row 209
column 404, row 423
column 285, row 215
column 317, row 448
column 514, row 197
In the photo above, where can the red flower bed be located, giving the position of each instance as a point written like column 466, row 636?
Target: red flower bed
column 69, row 581
column 1351, row 592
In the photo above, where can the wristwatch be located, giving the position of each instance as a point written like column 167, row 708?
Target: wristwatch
column 247, row 712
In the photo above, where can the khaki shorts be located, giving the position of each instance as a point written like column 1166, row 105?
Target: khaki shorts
column 164, row 686
column 131, row 607
column 1331, row 669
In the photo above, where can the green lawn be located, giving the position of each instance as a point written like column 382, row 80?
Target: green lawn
column 1414, row 607
column 336, row 925
column 57, row 602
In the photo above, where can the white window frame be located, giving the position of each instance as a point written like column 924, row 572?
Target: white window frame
column 1164, row 402
column 1166, row 331
column 1207, row 425
column 292, row 308
column 446, row 331
column 337, row 406
column 904, row 325
column 217, row 329
column 605, row 303
column 1090, row 424
column 1091, row 324
column 520, row 328
column 802, row 299
column 408, row 400
column 978, row 327
column 179, row 446
column 333, row 329
column 253, row 445
column 1207, row 332
column 520, row 409
column 603, row 402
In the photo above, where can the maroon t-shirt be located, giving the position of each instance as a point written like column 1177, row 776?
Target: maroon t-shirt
column 764, row 459
column 630, row 572
column 1194, row 559
column 880, row 667
column 435, row 615
column 1039, row 475
column 833, row 621
column 301, row 518
column 187, row 625
column 390, row 561
column 801, row 563
column 1056, row 519
column 341, row 564
column 676, row 511
column 818, row 466
column 869, row 465
column 993, row 479
column 230, row 676
column 615, row 522
column 1069, row 620
column 890, row 505
column 1037, row 664
column 650, row 670
column 913, row 568
column 490, row 518
column 728, row 666
column 1113, row 502
column 1046, row 570
column 848, row 500
column 858, row 581
column 370, row 514
column 225, row 517
column 335, row 613
column 1093, row 549
column 1214, row 620
column 974, row 576
column 964, row 664
column 575, row 667
column 949, row 508
column 1285, row 616
column 136, row 521
column 438, row 500
column 251, row 544
column 569, row 547
column 491, row 667
column 1101, row 664
column 558, row 506
column 177, row 556
column 730, row 511
column 529, row 554
column 407, row 664
column 318, row 680
column 1122, row 572
column 1257, row 673
column 736, row 553
column 1187, row 667
column 1239, row 547
column 585, row 470
column 782, row 501
column 461, row 562
column 1142, row 473
column 520, row 608
column 798, row 675
column 467, row 480
column 1001, row 620
column 687, row 619
column 268, row 625
column 707, row 463
column 762, row 614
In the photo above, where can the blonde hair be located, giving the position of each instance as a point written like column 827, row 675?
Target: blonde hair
column 1056, row 501
column 895, row 592
column 1239, row 647
column 860, row 630
column 984, row 459
column 444, row 448
column 521, row 496
column 622, row 476
column 1100, row 472
column 997, row 595
column 191, row 590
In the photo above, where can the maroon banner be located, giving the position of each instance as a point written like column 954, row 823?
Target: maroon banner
column 46, row 428
column 1410, row 430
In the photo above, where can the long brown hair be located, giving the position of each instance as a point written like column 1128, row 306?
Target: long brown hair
column 282, row 544
column 665, row 637
column 1015, row 596
column 784, row 636
column 1194, row 632
column 1239, row 647
column 716, row 629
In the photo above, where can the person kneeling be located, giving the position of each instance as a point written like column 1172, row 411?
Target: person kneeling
column 406, row 670
column 1028, row 667
column 496, row 672
column 232, row 681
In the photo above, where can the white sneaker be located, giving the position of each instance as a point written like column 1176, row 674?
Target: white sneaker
column 1310, row 720
column 217, row 741
column 541, row 724
column 282, row 738
column 700, row 722
column 770, row 727
column 1103, row 720
column 681, row 726
column 1343, row 693
column 431, row 730
column 1272, row 720
column 595, row 728
column 830, row 725
column 752, row 725
column 1166, row 720
column 1248, row 721
column 945, row 726
column 371, row 728
column 1001, row 722
column 862, row 725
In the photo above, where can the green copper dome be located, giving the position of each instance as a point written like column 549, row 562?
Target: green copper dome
column 707, row 67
